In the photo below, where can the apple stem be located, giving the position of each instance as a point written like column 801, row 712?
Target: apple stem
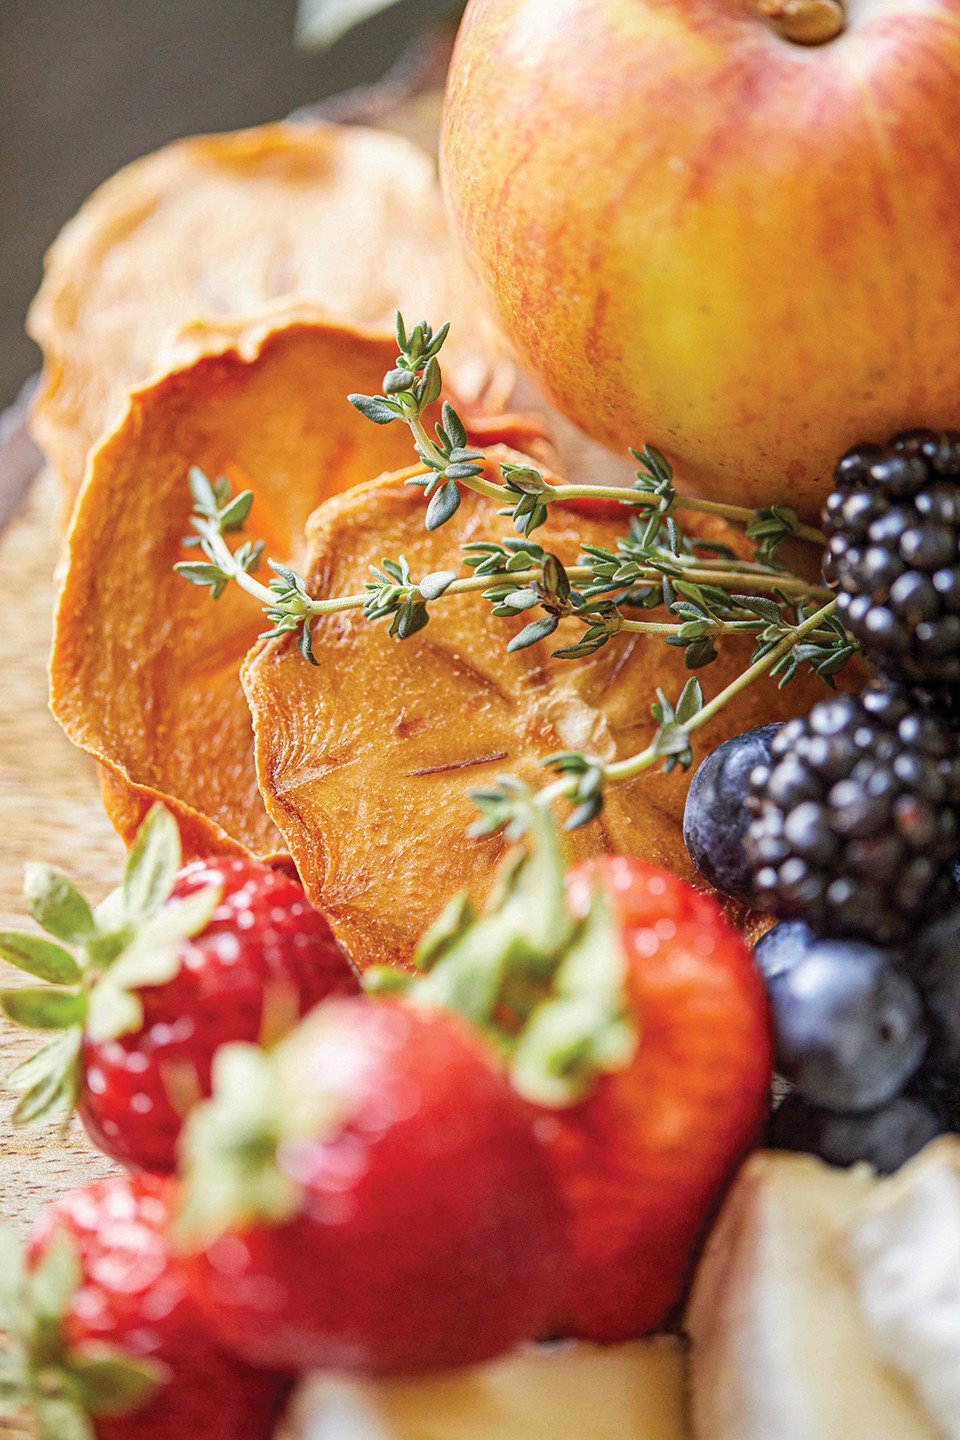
column 807, row 22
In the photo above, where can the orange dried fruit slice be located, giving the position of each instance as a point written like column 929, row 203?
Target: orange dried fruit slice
column 365, row 762
column 145, row 667
column 220, row 227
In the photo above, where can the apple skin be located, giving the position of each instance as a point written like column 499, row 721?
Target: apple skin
column 700, row 234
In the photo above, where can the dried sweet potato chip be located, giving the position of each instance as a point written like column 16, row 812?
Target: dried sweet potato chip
column 365, row 761
column 221, row 227
column 144, row 673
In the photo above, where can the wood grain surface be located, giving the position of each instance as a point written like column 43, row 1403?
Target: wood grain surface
column 49, row 810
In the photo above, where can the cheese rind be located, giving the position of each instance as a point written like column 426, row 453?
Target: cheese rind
column 821, row 1310
column 905, row 1255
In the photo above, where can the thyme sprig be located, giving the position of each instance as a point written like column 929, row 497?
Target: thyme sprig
column 408, row 392
column 703, row 610
column 513, row 576
column 706, row 590
column 216, row 513
column 656, row 563
column 391, row 593
column 416, row 383
column 582, row 778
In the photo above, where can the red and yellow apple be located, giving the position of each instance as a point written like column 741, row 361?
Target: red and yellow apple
column 702, row 234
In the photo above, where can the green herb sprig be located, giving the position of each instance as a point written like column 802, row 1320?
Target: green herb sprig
column 525, row 494
column 706, row 591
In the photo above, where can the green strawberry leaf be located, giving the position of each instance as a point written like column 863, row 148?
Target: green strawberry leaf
column 12, row 1274
column 48, row 1081
column 548, row 991
column 180, row 919
column 14, row 1381
column 152, row 864
column 44, row 1009
column 57, row 1388
column 112, row 1011
column 53, row 1281
column 113, row 931
column 110, row 1382
column 152, row 957
column 39, row 957
column 584, row 1027
column 468, row 960
column 229, row 1150
column 56, row 903
column 61, row 1416
column 454, row 919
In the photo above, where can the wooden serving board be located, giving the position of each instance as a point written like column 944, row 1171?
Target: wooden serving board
column 49, row 810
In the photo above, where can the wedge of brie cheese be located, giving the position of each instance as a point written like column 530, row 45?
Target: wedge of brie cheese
column 905, row 1255
column 567, row 1392
column 827, row 1304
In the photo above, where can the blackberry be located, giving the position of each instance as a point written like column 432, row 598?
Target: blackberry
column 942, row 699
column 856, row 826
column 893, row 524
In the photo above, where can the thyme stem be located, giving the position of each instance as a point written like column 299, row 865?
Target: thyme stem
column 219, row 550
column 620, row 768
column 633, row 764
column 473, row 583
column 470, row 584
column 489, row 488
column 719, row 627
column 737, row 513
column 747, row 582
column 632, row 499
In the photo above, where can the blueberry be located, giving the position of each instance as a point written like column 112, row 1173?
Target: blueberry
column 849, row 1027
column 714, row 821
column 934, row 963
column 885, row 1139
column 782, row 947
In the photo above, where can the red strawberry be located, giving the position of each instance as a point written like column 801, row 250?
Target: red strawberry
column 636, row 1024
column 643, row 1158
column 104, row 1338
column 370, row 1197
column 170, row 967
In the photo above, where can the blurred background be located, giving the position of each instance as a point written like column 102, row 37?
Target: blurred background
column 86, row 85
